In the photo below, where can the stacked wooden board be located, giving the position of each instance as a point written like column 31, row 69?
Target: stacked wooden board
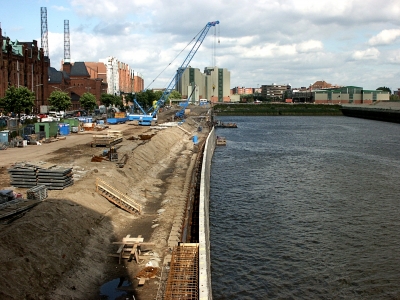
column 109, row 139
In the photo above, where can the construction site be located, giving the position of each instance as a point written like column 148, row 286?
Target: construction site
column 115, row 222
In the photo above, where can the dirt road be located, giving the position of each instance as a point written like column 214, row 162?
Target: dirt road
column 60, row 249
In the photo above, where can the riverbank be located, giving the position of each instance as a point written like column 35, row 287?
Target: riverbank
column 276, row 109
column 60, row 249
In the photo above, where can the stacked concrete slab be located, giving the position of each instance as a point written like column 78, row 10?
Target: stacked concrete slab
column 23, row 175
column 26, row 175
column 55, row 178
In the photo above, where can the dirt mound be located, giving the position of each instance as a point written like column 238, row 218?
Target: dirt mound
column 59, row 249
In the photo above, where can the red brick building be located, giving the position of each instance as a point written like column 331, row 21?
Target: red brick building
column 23, row 64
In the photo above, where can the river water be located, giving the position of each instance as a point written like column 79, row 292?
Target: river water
column 306, row 208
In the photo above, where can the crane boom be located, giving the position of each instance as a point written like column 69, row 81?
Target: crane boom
column 146, row 120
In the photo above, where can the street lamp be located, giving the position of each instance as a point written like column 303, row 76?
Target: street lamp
column 37, row 100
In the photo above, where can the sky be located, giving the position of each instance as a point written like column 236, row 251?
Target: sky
column 296, row 42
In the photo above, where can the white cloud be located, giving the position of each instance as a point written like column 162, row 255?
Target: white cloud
column 370, row 53
column 309, row 46
column 60, row 8
column 384, row 37
column 261, row 41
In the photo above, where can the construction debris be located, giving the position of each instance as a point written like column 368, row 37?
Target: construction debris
column 122, row 162
column 37, row 193
column 130, row 248
column 146, row 136
column 98, row 158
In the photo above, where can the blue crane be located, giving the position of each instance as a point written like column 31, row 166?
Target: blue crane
column 151, row 115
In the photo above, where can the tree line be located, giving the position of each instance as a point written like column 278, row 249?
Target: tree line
column 21, row 100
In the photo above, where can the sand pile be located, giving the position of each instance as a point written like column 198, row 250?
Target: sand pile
column 59, row 249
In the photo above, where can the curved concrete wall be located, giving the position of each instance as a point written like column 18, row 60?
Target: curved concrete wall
column 205, row 291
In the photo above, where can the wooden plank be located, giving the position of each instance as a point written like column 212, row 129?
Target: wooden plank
column 142, row 281
column 126, row 256
column 132, row 243
column 135, row 240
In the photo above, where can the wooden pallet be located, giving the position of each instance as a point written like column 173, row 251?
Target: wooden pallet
column 118, row 198
column 130, row 248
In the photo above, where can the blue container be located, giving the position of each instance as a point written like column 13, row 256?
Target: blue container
column 4, row 136
column 89, row 120
column 64, row 129
column 112, row 121
column 195, row 139
column 100, row 121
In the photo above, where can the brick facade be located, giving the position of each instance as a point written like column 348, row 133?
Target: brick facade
column 23, row 64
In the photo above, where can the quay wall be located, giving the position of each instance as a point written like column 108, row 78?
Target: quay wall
column 387, row 115
column 205, row 291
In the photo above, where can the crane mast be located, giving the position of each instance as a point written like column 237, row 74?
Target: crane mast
column 146, row 119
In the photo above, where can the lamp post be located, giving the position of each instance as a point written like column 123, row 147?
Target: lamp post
column 37, row 99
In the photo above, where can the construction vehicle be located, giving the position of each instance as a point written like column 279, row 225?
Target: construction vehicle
column 181, row 114
column 150, row 117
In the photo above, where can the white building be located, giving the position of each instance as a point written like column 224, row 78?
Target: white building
column 111, row 64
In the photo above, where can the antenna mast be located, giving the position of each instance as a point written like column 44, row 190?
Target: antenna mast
column 43, row 13
column 67, row 55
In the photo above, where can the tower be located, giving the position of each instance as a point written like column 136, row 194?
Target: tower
column 43, row 13
column 67, row 55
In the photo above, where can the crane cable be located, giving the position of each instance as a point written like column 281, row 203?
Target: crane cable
column 176, row 57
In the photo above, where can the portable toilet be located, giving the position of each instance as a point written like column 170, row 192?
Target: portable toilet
column 64, row 128
column 53, row 129
column 43, row 128
column 4, row 136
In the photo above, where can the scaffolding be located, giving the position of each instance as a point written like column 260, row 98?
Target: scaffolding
column 183, row 278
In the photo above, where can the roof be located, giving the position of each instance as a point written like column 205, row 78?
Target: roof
column 79, row 69
column 55, row 76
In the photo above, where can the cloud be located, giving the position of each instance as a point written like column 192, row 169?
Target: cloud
column 283, row 41
column 60, row 8
column 309, row 46
column 384, row 37
column 369, row 54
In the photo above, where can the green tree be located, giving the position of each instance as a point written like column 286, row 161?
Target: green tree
column 60, row 100
column 119, row 103
column 88, row 101
column 175, row 95
column 18, row 100
column 385, row 89
column 107, row 100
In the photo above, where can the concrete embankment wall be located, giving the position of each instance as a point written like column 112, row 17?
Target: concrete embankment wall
column 205, row 291
column 387, row 115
